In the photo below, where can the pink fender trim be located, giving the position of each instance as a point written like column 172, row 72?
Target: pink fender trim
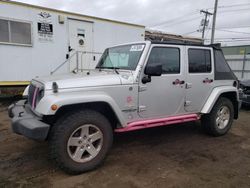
column 158, row 122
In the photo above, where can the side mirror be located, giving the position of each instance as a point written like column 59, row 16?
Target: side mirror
column 153, row 70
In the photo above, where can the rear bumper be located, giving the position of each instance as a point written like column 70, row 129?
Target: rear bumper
column 25, row 123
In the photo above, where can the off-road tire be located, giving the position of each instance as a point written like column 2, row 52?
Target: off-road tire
column 62, row 131
column 209, row 120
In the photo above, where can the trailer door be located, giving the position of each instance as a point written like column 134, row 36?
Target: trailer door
column 81, row 45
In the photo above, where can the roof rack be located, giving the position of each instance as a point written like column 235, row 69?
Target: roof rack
column 216, row 46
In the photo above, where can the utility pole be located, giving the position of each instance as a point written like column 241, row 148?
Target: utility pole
column 205, row 23
column 214, row 21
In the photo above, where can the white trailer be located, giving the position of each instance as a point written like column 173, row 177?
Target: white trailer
column 36, row 41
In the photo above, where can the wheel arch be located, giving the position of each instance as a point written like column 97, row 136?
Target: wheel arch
column 226, row 91
column 100, row 102
column 100, row 106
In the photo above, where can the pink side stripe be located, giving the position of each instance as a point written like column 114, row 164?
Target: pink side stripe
column 34, row 98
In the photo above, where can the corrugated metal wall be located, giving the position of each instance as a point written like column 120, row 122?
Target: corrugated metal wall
column 240, row 64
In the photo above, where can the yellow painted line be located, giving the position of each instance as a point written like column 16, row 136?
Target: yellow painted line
column 68, row 13
column 14, row 83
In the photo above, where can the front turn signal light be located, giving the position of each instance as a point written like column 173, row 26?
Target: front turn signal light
column 54, row 107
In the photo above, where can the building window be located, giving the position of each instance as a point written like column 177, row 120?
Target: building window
column 168, row 57
column 199, row 61
column 15, row 32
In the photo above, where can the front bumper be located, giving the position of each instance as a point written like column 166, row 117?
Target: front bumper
column 245, row 98
column 25, row 123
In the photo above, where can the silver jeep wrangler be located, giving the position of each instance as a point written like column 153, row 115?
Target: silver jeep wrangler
column 134, row 86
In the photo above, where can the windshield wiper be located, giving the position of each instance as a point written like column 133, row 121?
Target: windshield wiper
column 114, row 68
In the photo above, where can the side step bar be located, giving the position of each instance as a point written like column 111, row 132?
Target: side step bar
column 158, row 122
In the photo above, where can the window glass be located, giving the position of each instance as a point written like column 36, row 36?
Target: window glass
column 199, row 60
column 4, row 31
column 169, row 58
column 220, row 62
column 222, row 69
column 15, row 32
column 20, row 32
column 121, row 57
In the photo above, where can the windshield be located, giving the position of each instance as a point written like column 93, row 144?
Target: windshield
column 121, row 57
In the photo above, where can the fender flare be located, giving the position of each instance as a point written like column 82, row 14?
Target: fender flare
column 215, row 94
column 44, row 106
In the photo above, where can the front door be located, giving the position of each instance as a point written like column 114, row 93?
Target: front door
column 200, row 76
column 164, row 95
column 81, row 44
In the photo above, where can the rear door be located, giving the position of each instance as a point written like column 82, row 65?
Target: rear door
column 164, row 95
column 81, row 43
column 200, row 77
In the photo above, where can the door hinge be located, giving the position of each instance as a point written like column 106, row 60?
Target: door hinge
column 188, row 85
column 187, row 103
column 142, row 108
column 142, row 88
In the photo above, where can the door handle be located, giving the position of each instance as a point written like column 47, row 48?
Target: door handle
column 178, row 82
column 182, row 82
column 207, row 81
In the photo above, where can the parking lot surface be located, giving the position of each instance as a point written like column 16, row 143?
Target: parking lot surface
column 172, row 156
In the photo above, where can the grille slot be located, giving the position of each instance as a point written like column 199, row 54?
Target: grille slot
column 34, row 95
column 31, row 91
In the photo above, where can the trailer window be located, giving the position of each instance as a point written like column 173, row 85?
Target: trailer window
column 4, row 31
column 15, row 32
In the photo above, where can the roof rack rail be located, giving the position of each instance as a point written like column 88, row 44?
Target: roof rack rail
column 178, row 42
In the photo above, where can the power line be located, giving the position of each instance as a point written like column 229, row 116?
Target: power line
column 189, row 33
column 231, row 39
column 230, row 6
column 235, row 10
column 235, row 5
column 233, row 31
column 233, row 27
column 187, row 20
column 175, row 19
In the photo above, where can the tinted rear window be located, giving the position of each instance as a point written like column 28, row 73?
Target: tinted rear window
column 199, row 61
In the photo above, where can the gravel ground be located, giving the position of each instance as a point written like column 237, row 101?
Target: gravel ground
column 172, row 156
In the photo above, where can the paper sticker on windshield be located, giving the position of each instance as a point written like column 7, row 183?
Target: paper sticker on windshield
column 137, row 48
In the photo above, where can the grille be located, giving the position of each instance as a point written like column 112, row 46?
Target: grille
column 33, row 95
column 246, row 90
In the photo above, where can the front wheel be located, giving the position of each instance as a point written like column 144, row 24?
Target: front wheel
column 220, row 119
column 80, row 142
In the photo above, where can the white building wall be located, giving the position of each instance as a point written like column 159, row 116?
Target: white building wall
column 22, row 63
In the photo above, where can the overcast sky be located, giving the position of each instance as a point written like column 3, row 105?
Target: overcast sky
column 172, row 16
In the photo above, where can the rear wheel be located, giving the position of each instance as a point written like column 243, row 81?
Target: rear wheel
column 80, row 142
column 220, row 119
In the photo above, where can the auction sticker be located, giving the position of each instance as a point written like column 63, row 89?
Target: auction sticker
column 137, row 48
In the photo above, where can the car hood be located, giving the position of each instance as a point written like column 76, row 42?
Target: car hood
column 92, row 78
column 245, row 83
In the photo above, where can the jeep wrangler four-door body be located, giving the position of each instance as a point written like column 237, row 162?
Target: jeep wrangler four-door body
column 134, row 86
